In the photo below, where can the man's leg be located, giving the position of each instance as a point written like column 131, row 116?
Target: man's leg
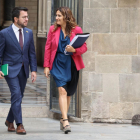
column 10, row 116
column 16, row 97
column 22, row 80
column 19, row 83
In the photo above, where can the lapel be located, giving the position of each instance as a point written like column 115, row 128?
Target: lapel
column 72, row 35
column 14, row 38
column 57, row 35
column 26, row 37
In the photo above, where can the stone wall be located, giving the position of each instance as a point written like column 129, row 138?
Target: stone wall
column 111, row 78
column 32, row 7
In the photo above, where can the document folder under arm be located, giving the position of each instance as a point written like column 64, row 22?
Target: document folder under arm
column 77, row 41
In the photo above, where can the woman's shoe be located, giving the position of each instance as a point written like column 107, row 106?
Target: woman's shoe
column 66, row 128
column 61, row 124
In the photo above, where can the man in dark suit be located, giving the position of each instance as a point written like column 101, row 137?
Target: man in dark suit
column 18, row 51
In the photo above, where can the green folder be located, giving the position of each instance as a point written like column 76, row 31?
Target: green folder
column 4, row 69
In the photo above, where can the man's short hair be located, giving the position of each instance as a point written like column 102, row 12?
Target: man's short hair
column 16, row 12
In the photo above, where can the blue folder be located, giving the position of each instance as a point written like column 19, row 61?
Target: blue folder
column 77, row 41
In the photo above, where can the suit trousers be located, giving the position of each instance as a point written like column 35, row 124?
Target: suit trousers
column 16, row 86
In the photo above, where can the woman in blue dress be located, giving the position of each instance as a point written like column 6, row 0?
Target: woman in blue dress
column 63, row 68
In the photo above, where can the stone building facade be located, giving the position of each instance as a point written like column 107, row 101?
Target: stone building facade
column 111, row 78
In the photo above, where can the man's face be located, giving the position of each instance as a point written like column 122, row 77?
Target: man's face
column 22, row 21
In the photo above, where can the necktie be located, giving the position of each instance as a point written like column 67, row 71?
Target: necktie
column 20, row 39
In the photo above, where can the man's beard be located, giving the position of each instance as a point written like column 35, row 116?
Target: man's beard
column 20, row 24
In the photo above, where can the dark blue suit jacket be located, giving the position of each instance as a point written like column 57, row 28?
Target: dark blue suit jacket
column 11, row 53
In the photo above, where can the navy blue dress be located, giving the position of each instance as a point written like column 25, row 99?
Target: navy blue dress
column 64, row 70
column 61, row 70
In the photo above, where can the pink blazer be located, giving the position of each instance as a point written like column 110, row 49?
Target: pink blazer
column 52, row 45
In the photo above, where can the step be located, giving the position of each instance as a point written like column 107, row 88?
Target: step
column 29, row 111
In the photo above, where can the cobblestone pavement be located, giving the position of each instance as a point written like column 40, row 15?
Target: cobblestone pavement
column 48, row 129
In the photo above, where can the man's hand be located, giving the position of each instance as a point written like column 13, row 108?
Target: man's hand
column 70, row 49
column 1, row 75
column 33, row 76
column 47, row 72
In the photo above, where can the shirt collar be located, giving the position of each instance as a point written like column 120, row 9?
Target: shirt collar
column 15, row 28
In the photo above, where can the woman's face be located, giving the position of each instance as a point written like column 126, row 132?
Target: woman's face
column 60, row 18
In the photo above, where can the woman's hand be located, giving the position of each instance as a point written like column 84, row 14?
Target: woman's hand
column 70, row 49
column 47, row 72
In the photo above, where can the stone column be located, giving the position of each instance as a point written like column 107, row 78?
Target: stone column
column 44, row 17
column 8, row 7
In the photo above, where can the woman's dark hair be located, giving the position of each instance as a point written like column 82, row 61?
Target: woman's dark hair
column 16, row 12
column 68, row 17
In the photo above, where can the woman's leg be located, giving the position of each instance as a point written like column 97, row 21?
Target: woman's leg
column 68, row 103
column 63, row 104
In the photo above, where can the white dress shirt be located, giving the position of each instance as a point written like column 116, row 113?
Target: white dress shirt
column 16, row 31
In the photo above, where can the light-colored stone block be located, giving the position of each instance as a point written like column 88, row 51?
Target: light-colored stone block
column 86, row 101
column 136, row 109
column 89, row 61
column 86, row 3
column 134, row 20
column 113, row 64
column 111, row 87
column 127, row 110
column 85, row 76
column 96, row 111
column 129, row 3
column 119, row 21
column 95, row 82
column 103, row 3
column 116, row 111
column 129, row 87
column 96, row 20
column 105, row 109
column 138, row 44
column 136, row 64
column 100, row 109
column 115, row 44
column 89, row 42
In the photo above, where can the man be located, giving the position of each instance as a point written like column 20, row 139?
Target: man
column 18, row 51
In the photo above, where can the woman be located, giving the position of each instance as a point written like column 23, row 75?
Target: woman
column 63, row 68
